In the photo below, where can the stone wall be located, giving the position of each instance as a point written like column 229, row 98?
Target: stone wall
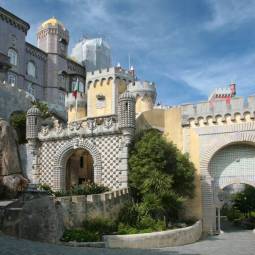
column 167, row 238
column 78, row 208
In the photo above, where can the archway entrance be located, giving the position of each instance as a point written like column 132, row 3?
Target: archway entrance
column 79, row 168
column 233, row 164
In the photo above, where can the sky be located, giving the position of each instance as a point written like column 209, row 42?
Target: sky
column 187, row 47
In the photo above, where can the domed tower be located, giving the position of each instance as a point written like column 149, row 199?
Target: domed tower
column 33, row 123
column 53, row 37
column 76, row 105
column 127, row 114
column 145, row 94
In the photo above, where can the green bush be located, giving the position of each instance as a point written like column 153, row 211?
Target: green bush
column 80, row 235
column 87, row 188
column 160, row 176
column 103, row 226
column 18, row 122
column 46, row 188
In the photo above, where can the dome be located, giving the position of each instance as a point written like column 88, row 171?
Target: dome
column 127, row 95
column 52, row 22
column 33, row 111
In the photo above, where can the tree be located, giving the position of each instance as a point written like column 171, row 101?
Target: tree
column 245, row 201
column 160, row 176
column 45, row 113
column 18, row 121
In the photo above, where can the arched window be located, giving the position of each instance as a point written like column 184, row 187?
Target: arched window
column 12, row 78
column 31, row 69
column 30, row 88
column 13, row 55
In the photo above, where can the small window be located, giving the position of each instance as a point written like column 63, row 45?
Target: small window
column 30, row 88
column 31, row 69
column 61, row 98
column 12, row 79
column 126, row 106
column 81, row 162
column 13, row 55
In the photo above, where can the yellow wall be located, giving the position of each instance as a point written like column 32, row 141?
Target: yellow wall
column 81, row 113
column 151, row 119
column 143, row 104
column 170, row 120
column 194, row 206
column 173, row 127
column 100, row 89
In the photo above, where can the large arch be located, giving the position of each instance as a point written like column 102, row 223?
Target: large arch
column 208, row 187
column 64, row 153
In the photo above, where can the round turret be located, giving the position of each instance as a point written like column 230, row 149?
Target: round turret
column 145, row 94
column 127, row 111
column 33, row 123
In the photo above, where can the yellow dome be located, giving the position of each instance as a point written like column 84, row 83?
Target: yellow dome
column 53, row 22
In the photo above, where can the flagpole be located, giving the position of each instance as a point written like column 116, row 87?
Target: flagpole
column 76, row 106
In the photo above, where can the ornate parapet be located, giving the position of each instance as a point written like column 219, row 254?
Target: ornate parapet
column 86, row 127
column 219, row 112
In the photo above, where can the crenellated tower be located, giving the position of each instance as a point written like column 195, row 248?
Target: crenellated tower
column 104, row 88
column 145, row 94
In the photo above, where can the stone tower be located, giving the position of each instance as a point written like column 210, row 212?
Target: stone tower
column 33, row 124
column 126, row 120
column 127, row 114
column 53, row 37
column 145, row 94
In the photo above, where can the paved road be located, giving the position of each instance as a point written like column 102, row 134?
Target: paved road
column 229, row 243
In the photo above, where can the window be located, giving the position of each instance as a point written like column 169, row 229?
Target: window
column 12, row 54
column 61, row 98
column 30, row 88
column 31, row 70
column 12, row 78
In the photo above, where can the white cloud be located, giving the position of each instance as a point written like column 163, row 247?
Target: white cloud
column 230, row 12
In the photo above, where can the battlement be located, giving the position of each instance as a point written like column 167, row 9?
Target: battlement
column 112, row 72
column 205, row 110
column 143, row 88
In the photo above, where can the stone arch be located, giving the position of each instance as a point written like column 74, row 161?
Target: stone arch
column 207, row 186
column 63, row 154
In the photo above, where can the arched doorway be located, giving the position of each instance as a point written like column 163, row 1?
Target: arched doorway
column 63, row 155
column 232, row 164
column 79, row 168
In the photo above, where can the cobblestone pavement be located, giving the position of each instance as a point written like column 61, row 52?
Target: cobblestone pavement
column 234, row 243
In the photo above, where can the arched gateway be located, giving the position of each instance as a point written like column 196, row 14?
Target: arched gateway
column 64, row 154
column 230, row 160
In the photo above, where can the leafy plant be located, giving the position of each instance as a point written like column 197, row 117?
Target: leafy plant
column 80, row 235
column 87, row 188
column 18, row 122
column 160, row 176
column 43, row 107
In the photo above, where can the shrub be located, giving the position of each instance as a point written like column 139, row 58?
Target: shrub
column 160, row 176
column 103, row 226
column 18, row 122
column 46, row 188
column 87, row 188
column 80, row 235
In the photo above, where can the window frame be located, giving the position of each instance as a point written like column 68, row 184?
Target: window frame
column 13, row 54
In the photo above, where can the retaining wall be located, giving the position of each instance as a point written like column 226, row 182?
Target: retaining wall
column 78, row 208
column 167, row 238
